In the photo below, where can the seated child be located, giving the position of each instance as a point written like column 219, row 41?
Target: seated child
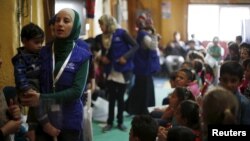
column 220, row 106
column 231, row 75
column 180, row 94
column 244, row 52
column 187, row 114
column 186, row 78
column 245, row 85
column 143, row 128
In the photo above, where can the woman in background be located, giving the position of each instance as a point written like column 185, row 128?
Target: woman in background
column 147, row 63
column 117, row 50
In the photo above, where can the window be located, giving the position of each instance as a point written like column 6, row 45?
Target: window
column 225, row 21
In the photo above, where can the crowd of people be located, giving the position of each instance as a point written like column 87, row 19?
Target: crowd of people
column 210, row 85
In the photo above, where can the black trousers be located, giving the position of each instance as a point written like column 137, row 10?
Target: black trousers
column 115, row 93
column 141, row 96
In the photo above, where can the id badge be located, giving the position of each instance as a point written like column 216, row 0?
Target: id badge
column 55, row 108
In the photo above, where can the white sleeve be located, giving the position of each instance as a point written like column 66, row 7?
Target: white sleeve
column 150, row 42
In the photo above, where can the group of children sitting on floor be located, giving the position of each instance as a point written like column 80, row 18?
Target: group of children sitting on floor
column 188, row 116
column 198, row 100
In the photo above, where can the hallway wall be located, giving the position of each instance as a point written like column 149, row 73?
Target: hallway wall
column 176, row 22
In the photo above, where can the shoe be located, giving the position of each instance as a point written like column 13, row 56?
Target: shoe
column 106, row 128
column 122, row 127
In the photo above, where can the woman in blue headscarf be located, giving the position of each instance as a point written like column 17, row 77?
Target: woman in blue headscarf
column 64, row 71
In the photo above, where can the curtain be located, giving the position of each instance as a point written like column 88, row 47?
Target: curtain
column 219, row 1
column 49, row 12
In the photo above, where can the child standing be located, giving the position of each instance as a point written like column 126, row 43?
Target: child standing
column 230, row 78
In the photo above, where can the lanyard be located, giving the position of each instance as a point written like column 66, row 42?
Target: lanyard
column 55, row 79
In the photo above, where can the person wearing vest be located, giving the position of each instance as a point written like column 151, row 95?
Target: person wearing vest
column 64, row 71
column 146, row 63
column 117, row 50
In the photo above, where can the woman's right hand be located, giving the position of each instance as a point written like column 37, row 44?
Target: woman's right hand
column 14, row 110
column 12, row 126
column 105, row 60
column 30, row 98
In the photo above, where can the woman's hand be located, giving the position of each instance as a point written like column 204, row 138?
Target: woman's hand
column 105, row 60
column 122, row 60
column 12, row 126
column 14, row 110
column 30, row 98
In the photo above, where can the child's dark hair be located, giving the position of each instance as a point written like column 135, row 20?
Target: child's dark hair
column 172, row 76
column 197, row 65
column 31, row 31
column 239, row 38
column 180, row 133
column 199, row 68
column 184, row 94
column 189, row 110
column 189, row 73
column 232, row 68
column 245, row 46
column 196, row 55
column 208, row 69
column 246, row 63
column 190, row 42
column 234, row 47
column 188, row 64
column 144, row 127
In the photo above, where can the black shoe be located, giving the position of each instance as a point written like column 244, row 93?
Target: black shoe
column 106, row 128
column 122, row 127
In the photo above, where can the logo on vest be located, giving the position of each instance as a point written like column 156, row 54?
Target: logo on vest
column 117, row 39
column 70, row 66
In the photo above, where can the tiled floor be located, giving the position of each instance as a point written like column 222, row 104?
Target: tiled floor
column 162, row 88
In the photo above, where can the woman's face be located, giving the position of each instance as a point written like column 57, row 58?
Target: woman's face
column 103, row 27
column 63, row 25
